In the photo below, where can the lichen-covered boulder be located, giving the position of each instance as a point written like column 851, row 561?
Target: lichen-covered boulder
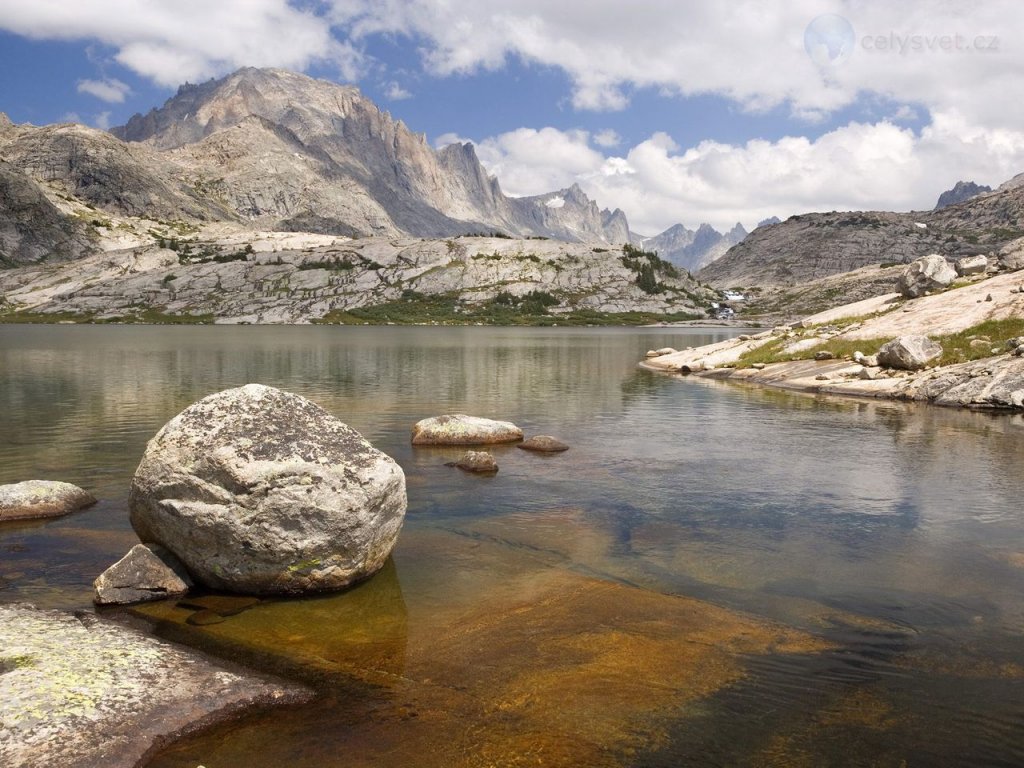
column 928, row 273
column 909, row 353
column 41, row 498
column 459, row 429
column 141, row 576
column 261, row 491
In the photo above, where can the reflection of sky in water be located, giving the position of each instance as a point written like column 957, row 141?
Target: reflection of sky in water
column 889, row 526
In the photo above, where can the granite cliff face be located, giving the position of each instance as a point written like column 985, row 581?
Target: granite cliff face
column 287, row 151
column 270, row 150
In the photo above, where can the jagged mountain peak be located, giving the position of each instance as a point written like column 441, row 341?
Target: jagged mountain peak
column 961, row 191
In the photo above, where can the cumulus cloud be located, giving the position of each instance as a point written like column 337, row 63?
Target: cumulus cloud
column 880, row 166
column 394, row 92
column 607, row 138
column 941, row 55
column 170, row 43
column 110, row 90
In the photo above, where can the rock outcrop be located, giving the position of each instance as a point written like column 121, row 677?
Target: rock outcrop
column 261, row 491
column 78, row 691
column 908, row 353
column 928, row 273
column 961, row 192
column 32, row 499
column 460, row 429
column 140, row 576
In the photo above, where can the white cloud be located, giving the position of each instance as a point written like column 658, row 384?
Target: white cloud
column 395, row 92
column 859, row 166
column 607, row 138
column 102, row 121
column 110, row 90
column 189, row 40
column 747, row 51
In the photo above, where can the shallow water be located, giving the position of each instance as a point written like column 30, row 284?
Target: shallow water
column 712, row 575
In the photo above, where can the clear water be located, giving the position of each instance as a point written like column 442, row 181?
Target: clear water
column 712, row 575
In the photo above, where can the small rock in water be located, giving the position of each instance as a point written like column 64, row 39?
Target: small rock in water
column 139, row 577
column 543, row 444
column 460, row 429
column 33, row 499
column 204, row 618
column 476, row 461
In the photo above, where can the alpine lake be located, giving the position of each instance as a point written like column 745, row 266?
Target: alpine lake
column 712, row 575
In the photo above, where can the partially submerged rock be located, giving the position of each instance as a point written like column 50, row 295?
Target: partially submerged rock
column 140, row 576
column 33, row 499
column 476, row 461
column 543, row 444
column 79, row 692
column 908, row 353
column 928, row 273
column 263, row 492
column 459, row 429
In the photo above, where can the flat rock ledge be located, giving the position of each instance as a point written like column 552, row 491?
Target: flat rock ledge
column 78, row 691
column 460, row 429
column 34, row 499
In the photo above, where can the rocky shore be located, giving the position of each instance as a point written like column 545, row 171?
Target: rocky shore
column 978, row 365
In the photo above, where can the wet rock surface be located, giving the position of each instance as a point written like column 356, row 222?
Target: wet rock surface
column 480, row 462
column 41, row 498
column 261, row 491
column 81, row 691
column 460, row 429
column 543, row 444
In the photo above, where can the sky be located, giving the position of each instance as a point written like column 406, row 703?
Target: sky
column 675, row 111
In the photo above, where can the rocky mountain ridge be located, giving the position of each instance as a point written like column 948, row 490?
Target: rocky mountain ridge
column 693, row 249
column 814, row 245
column 961, row 191
column 271, row 150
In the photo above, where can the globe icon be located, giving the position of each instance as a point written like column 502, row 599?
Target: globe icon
column 828, row 40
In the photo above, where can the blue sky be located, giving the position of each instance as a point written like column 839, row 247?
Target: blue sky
column 674, row 112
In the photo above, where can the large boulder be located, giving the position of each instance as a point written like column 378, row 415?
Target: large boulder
column 261, row 491
column 140, row 576
column 908, row 353
column 41, row 498
column 928, row 273
column 1011, row 255
column 972, row 265
column 459, row 429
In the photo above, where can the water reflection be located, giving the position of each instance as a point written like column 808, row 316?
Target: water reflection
column 884, row 541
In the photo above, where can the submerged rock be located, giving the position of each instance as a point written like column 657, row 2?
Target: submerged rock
column 263, row 492
column 459, row 429
column 928, row 273
column 909, row 353
column 33, row 499
column 476, row 461
column 543, row 444
column 140, row 576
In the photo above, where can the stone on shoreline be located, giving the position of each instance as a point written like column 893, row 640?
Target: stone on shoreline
column 78, row 691
column 908, row 353
column 261, row 491
column 460, row 429
column 543, row 444
column 140, row 576
column 34, row 499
